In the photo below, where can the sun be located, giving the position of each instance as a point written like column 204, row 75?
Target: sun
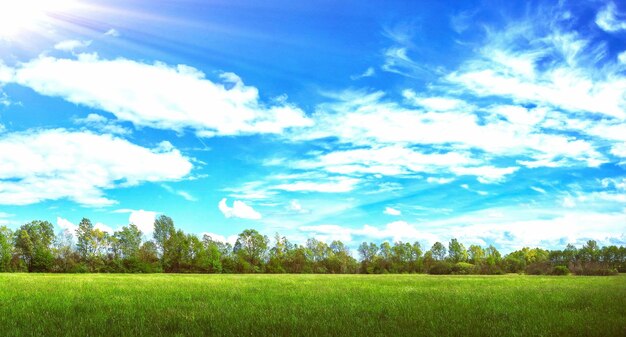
column 17, row 16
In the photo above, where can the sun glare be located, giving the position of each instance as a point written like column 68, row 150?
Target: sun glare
column 17, row 16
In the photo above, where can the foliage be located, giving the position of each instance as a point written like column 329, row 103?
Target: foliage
column 35, row 248
column 560, row 270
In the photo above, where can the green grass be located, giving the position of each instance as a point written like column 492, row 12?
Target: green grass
column 311, row 305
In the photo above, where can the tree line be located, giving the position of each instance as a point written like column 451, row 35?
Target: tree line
column 34, row 247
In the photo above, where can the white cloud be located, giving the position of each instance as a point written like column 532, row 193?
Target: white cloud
column 334, row 185
column 6, row 73
column 104, row 228
column 71, row 45
column 112, row 32
column 389, row 160
column 392, row 211
column 485, row 174
column 394, row 231
column 221, row 238
column 509, row 229
column 512, row 64
column 369, row 72
column 608, row 20
column 144, row 220
column 622, row 57
column 295, row 206
column 439, row 180
column 43, row 165
column 538, row 189
column 159, row 96
column 436, row 103
column 239, row 210
column 184, row 194
column 367, row 120
column 67, row 225
column 102, row 124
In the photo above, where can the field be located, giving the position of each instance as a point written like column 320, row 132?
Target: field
column 310, row 305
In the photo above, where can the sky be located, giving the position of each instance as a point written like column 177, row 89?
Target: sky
column 494, row 122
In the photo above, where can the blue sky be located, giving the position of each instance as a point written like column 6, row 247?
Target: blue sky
column 494, row 122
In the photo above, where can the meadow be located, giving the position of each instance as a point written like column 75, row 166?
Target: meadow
column 310, row 305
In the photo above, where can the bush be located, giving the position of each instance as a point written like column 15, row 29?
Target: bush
column 463, row 268
column 441, row 268
column 560, row 270
column 539, row 268
column 592, row 269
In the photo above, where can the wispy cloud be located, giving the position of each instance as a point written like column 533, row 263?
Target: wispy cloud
column 610, row 20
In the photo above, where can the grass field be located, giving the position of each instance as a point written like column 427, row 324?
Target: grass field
column 310, row 305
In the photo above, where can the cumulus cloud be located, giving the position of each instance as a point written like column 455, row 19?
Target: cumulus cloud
column 52, row 164
column 144, row 220
column 158, row 95
column 238, row 210
column 67, row 225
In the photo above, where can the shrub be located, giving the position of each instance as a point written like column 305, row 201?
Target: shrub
column 441, row 268
column 560, row 270
column 463, row 268
column 539, row 268
column 592, row 269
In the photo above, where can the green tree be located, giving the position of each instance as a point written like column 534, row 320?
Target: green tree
column 6, row 248
column 85, row 239
column 65, row 256
column 251, row 247
column 34, row 241
column 163, row 230
column 128, row 241
column 368, row 253
column 438, row 251
column 476, row 254
column 457, row 251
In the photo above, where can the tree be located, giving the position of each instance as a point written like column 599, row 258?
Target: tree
column 34, row 242
column 476, row 254
column 251, row 247
column 163, row 230
column 368, row 254
column 128, row 241
column 86, row 241
column 65, row 255
column 438, row 251
column 6, row 248
column 148, row 257
column 401, row 257
column 456, row 251
column 176, row 252
column 416, row 258
column 278, row 255
column 590, row 251
column 214, row 254
column 340, row 260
